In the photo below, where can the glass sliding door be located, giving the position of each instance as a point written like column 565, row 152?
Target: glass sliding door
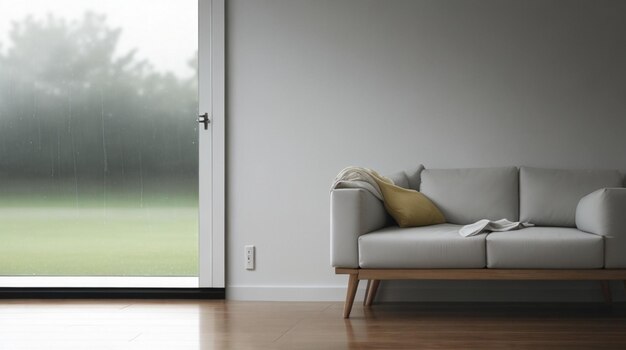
column 99, row 138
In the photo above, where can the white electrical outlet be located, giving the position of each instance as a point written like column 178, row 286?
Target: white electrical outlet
column 249, row 251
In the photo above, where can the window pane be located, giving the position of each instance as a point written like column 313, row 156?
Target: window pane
column 98, row 139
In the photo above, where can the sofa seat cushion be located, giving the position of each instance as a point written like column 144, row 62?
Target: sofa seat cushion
column 545, row 248
column 427, row 247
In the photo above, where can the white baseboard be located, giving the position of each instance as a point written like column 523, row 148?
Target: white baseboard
column 433, row 291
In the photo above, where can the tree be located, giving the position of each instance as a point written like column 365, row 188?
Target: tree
column 75, row 113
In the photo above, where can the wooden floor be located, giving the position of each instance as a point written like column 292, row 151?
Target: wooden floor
column 179, row 325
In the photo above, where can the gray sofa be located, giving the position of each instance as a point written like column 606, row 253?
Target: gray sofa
column 580, row 232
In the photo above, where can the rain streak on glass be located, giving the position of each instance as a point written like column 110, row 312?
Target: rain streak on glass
column 98, row 139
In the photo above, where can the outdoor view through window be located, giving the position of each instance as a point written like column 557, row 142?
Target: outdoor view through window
column 98, row 139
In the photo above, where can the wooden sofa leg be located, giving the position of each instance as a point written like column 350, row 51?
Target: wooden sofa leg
column 367, row 291
column 606, row 291
column 369, row 299
column 353, row 283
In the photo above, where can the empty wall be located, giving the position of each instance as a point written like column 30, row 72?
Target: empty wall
column 317, row 85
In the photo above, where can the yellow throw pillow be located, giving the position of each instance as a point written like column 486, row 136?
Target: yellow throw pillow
column 408, row 207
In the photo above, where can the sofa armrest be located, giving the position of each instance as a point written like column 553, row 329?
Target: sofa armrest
column 353, row 212
column 603, row 212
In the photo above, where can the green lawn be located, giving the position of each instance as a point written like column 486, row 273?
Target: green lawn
column 91, row 241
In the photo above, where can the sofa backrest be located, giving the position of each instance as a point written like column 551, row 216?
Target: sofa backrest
column 465, row 196
column 409, row 178
column 548, row 197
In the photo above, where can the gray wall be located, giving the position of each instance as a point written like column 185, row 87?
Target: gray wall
column 314, row 86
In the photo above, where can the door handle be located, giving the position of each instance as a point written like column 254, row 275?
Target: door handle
column 204, row 119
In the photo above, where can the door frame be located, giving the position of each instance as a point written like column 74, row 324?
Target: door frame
column 212, row 145
column 211, row 197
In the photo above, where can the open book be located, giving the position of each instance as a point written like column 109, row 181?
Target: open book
column 486, row 225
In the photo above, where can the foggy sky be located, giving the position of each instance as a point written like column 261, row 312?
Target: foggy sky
column 163, row 31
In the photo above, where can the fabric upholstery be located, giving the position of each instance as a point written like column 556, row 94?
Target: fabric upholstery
column 409, row 208
column 353, row 212
column 548, row 197
column 438, row 246
column 545, row 248
column 409, row 178
column 414, row 177
column 465, row 196
column 399, row 179
column 603, row 212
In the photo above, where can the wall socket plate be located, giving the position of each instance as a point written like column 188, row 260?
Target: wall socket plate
column 249, row 255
